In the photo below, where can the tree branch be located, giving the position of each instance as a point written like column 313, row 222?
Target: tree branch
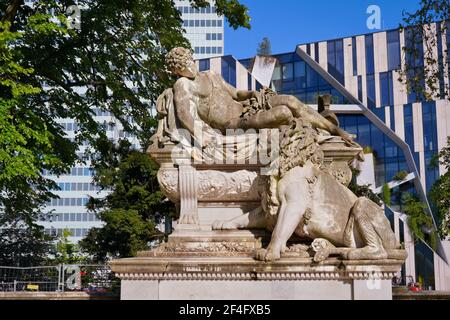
column 11, row 11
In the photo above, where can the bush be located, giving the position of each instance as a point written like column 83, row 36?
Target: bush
column 400, row 176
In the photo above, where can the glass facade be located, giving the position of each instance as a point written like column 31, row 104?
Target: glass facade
column 355, row 58
column 393, row 49
column 386, row 89
column 430, row 141
column 371, row 95
column 370, row 62
column 293, row 76
column 335, row 50
column 389, row 158
column 414, row 59
column 229, row 70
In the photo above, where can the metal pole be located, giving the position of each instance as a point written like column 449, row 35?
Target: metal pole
column 62, row 277
column 15, row 285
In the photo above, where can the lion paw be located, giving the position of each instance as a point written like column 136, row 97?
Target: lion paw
column 268, row 255
column 224, row 225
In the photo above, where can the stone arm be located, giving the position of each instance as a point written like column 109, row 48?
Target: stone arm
column 239, row 95
column 182, row 106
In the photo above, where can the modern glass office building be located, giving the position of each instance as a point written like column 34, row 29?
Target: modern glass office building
column 403, row 130
column 204, row 29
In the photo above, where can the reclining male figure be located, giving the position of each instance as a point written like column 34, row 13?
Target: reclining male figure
column 221, row 106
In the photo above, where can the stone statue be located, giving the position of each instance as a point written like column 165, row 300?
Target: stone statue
column 297, row 197
column 311, row 203
column 223, row 107
column 304, row 196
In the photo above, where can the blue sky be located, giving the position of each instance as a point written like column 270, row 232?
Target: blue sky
column 291, row 22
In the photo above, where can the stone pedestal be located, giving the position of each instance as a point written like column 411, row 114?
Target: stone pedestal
column 243, row 278
column 220, row 265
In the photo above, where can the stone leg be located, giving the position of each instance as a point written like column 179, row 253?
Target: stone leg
column 290, row 214
column 254, row 219
column 373, row 248
column 188, row 197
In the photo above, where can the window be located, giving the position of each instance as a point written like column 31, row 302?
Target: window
column 355, row 57
column 219, row 23
column 197, row 23
column 204, row 64
column 208, row 36
column 208, row 50
column 219, row 36
column 393, row 49
column 288, row 71
column 229, row 70
column 371, row 97
column 360, row 89
column 191, row 23
column 316, row 52
column 219, row 50
column 370, row 68
column 336, row 59
column 202, row 23
column 386, row 89
column 214, row 36
column 208, row 23
column 213, row 23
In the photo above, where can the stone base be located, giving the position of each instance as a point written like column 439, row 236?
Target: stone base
column 254, row 290
column 243, row 278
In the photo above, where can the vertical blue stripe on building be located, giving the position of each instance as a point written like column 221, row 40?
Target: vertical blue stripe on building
column 429, row 141
column 229, row 70
column 355, row 58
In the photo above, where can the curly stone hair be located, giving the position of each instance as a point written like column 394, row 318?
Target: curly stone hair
column 178, row 58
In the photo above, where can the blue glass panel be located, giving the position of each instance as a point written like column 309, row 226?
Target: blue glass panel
column 393, row 48
column 392, row 116
column 229, row 70
column 204, row 64
column 371, row 97
column 370, row 69
column 360, row 89
column 355, row 57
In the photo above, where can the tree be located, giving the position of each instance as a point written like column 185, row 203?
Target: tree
column 440, row 193
column 264, row 47
column 65, row 251
column 133, row 208
column 419, row 222
column 362, row 190
column 426, row 79
column 49, row 70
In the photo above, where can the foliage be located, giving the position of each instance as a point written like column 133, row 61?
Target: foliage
column 400, row 176
column 386, row 194
column 65, row 251
column 124, row 234
column 133, row 208
column 364, row 190
column 424, row 78
column 367, row 150
column 440, row 193
column 264, row 47
column 50, row 70
column 419, row 222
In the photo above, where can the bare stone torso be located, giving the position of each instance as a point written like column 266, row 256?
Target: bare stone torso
column 213, row 102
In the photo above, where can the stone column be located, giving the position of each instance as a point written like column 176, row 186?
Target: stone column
column 188, row 197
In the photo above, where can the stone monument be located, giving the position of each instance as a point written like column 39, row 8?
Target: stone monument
column 261, row 184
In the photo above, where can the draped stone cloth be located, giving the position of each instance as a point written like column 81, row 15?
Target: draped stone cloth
column 236, row 147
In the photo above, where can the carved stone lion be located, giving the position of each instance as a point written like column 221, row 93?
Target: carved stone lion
column 307, row 200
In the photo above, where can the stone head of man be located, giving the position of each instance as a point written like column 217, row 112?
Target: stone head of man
column 180, row 63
